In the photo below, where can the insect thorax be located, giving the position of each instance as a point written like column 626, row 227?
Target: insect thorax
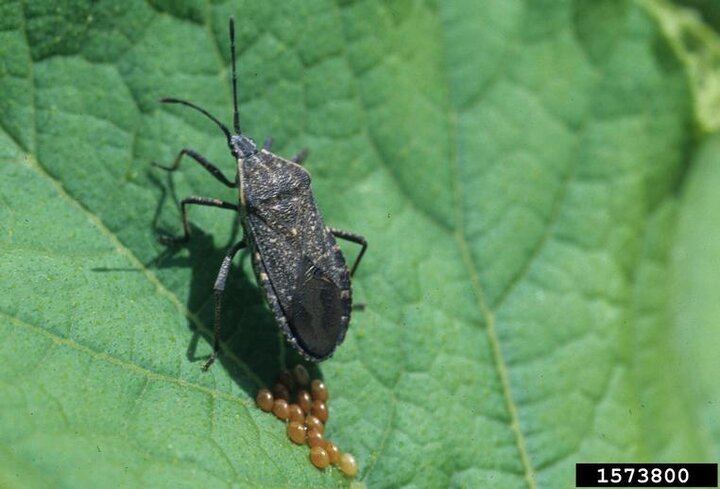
column 268, row 180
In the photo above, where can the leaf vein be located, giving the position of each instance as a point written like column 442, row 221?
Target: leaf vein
column 485, row 311
column 122, row 249
column 103, row 356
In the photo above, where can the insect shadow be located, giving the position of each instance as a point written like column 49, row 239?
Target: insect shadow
column 254, row 351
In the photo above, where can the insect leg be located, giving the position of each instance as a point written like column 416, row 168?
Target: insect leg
column 355, row 238
column 214, row 171
column 218, row 290
column 300, row 156
column 206, row 201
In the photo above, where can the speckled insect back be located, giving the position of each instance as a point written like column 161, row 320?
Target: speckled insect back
column 297, row 262
column 295, row 257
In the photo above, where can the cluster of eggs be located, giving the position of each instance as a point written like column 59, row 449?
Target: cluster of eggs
column 306, row 416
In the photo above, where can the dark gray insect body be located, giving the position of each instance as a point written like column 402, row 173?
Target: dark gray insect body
column 296, row 259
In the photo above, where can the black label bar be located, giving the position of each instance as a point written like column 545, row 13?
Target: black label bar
column 646, row 475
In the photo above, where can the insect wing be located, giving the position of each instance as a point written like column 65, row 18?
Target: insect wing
column 316, row 312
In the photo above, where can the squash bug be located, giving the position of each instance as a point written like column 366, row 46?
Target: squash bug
column 297, row 262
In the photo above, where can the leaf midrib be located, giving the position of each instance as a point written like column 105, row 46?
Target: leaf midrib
column 489, row 319
column 466, row 257
column 485, row 312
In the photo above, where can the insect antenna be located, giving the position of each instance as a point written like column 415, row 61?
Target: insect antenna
column 223, row 127
column 236, row 114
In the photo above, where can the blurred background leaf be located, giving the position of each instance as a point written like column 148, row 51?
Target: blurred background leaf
column 536, row 181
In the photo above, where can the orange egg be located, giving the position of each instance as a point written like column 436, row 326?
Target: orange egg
column 264, row 400
column 296, row 432
column 319, row 457
column 348, row 465
column 280, row 409
column 319, row 390
column 320, row 410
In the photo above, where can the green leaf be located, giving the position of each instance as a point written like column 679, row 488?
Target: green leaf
column 541, row 213
column 698, row 46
